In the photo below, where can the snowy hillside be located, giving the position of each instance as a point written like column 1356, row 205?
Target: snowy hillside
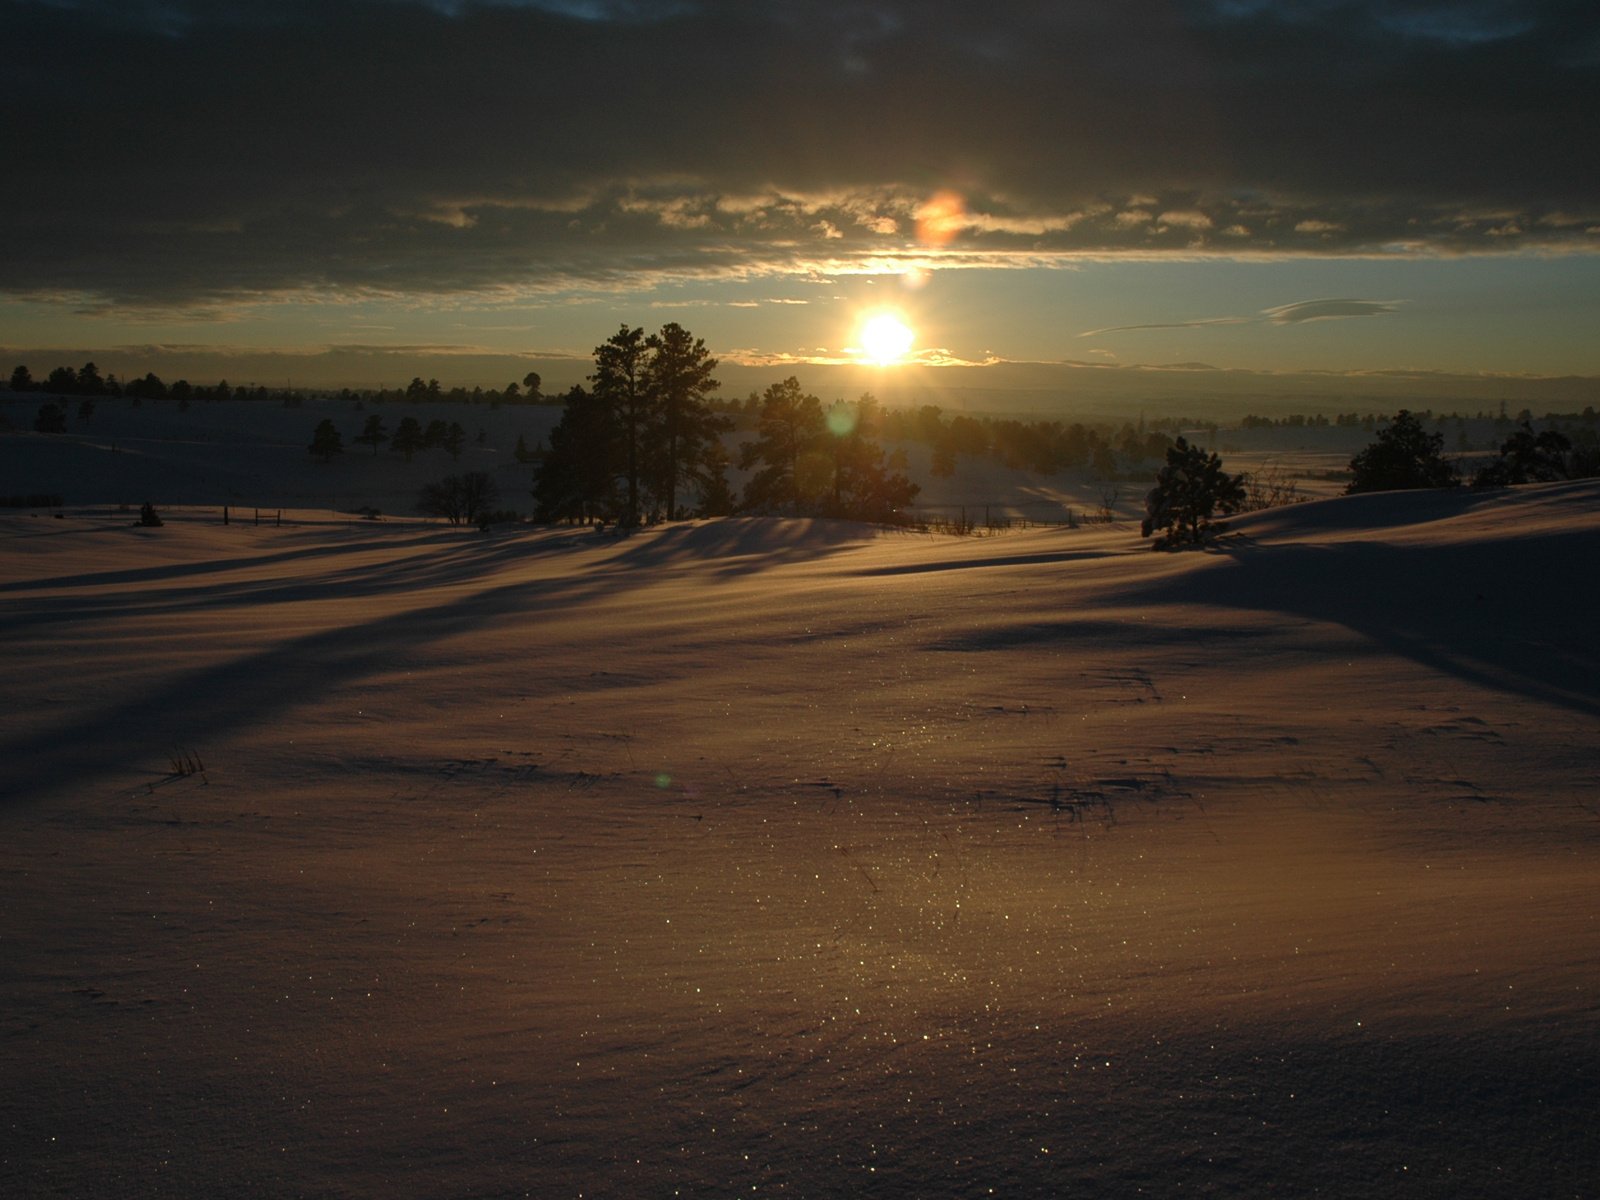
column 804, row 858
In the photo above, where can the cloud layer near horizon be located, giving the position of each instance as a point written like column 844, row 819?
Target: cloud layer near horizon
column 172, row 152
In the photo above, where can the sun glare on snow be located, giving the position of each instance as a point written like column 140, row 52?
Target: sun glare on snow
column 885, row 338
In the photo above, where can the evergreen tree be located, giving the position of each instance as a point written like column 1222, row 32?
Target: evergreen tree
column 326, row 442
column 89, row 381
column 373, row 433
column 1190, row 490
column 453, row 439
column 22, row 379
column 619, row 385
column 436, row 434
column 149, row 386
column 51, row 418
column 786, row 449
column 577, row 478
column 1403, row 456
column 863, row 488
column 679, row 382
column 716, row 496
column 407, row 438
column 1528, row 457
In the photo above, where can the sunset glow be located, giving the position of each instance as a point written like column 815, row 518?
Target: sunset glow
column 1079, row 198
column 886, row 338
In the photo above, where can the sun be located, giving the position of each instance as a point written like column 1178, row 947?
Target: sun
column 885, row 338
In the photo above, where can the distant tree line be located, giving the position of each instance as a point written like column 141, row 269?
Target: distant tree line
column 418, row 392
column 35, row 500
column 409, row 437
column 88, row 381
column 1044, row 447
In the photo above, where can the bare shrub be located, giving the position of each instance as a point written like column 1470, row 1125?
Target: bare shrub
column 1272, row 488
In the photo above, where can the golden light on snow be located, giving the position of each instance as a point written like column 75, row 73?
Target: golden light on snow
column 886, row 338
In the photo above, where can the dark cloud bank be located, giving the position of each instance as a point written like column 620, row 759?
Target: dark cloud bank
column 173, row 151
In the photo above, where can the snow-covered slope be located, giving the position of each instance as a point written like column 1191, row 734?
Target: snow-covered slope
column 803, row 857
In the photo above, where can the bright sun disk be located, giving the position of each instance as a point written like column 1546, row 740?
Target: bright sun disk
column 885, row 338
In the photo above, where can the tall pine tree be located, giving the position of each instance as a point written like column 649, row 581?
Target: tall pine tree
column 620, row 387
column 683, row 427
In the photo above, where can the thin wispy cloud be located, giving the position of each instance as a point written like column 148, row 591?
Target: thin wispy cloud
column 1196, row 324
column 1329, row 310
column 1284, row 314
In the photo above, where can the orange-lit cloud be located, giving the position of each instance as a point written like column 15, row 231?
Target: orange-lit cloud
column 941, row 219
column 1151, row 127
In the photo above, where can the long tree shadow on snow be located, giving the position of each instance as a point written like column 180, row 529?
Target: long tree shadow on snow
column 718, row 549
column 250, row 690
column 741, row 545
column 448, row 561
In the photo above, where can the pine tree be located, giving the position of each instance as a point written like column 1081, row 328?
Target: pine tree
column 1528, row 457
column 619, row 386
column 716, row 496
column 373, row 433
column 577, row 477
column 407, row 438
column 51, row 418
column 679, row 381
column 1403, row 456
column 453, row 439
column 1190, row 490
column 326, row 442
column 863, row 488
column 787, row 449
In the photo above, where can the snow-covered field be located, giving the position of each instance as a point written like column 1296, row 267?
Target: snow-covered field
column 779, row 857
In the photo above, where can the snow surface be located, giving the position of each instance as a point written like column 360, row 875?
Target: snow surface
column 795, row 857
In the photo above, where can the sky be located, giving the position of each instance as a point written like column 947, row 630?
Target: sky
column 1152, row 187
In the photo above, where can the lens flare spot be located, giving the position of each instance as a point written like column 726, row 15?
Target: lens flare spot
column 941, row 218
column 663, row 780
